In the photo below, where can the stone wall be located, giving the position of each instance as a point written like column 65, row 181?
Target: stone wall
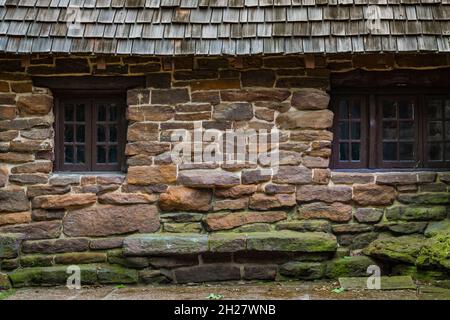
column 163, row 221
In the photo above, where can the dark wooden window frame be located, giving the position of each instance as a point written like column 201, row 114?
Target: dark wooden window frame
column 371, row 155
column 94, row 96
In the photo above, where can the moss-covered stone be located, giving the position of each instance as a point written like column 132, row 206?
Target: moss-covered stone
column 10, row 244
column 254, row 227
column 386, row 283
column 184, row 227
column 9, row 264
column 303, row 270
column 435, row 252
column 403, row 227
column 109, row 274
column 438, row 227
column 396, row 249
column 116, row 257
column 149, row 276
column 417, row 273
column 227, row 242
column 433, row 198
column 416, row 213
column 80, row 258
column 36, row 260
column 50, row 276
column 290, row 241
column 305, row 225
column 355, row 266
column 4, row 282
column 164, row 243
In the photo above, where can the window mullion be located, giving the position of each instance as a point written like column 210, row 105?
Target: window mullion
column 373, row 124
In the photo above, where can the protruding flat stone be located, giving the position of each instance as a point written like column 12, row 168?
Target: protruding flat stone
column 164, row 244
column 386, row 283
column 290, row 241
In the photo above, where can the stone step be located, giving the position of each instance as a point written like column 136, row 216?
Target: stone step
column 58, row 275
column 386, row 283
column 280, row 241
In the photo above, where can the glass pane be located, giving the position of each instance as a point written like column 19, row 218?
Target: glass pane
column 355, row 151
column 435, row 151
column 344, row 152
column 80, row 154
column 434, row 109
column 406, row 150
column 355, row 111
column 101, row 154
column 389, row 130
column 356, row 130
column 112, row 134
column 101, row 113
column 80, row 134
column 112, row 112
column 435, row 131
column 447, row 109
column 406, row 131
column 112, row 154
column 68, row 154
column 389, row 151
column 80, row 112
column 405, row 110
column 389, row 109
column 68, row 112
column 447, row 130
column 343, row 130
column 101, row 133
column 343, row 109
column 447, row 151
column 68, row 133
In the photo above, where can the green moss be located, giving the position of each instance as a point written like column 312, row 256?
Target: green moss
column 436, row 252
column 5, row 294
column 349, row 267
column 115, row 274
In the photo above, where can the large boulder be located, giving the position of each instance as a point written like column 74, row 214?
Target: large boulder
column 111, row 220
column 310, row 99
column 36, row 104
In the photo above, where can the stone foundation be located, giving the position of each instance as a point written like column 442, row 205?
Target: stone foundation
column 178, row 222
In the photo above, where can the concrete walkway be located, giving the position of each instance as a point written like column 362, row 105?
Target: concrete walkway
column 320, row 290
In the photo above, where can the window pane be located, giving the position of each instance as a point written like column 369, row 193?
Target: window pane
column 112, row 154
column 112, row 112
column 447, row 151
column 80, row 134
column 389, row 109
column 447, row 130
column 343, row 130
column 68, row 112
column 405, row 110
column 447, row 109
column 356, row 130
column 435, row 151
column 101, row 113
column 406, row 131
column 390, row 130
column 80, row 154
column 406, row 150
column 68, row 133
column 355, row 151
column 101, row 133
column 434, row 110
column 343, row 109
column 390, row 151
column 101, row 154
column 356, row 110
column 80, row 112
column 344, row 152
column 435, row 131
column 68, row 154
column 112, row 134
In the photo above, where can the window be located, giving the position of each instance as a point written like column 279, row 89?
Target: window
column 90, row 133
column 394, row 130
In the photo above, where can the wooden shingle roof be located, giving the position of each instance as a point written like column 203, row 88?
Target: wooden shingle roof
column 214, row 27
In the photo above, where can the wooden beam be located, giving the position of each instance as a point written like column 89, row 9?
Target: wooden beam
column 89, row 82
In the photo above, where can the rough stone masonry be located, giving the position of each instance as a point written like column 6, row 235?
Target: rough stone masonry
column 162, row 221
